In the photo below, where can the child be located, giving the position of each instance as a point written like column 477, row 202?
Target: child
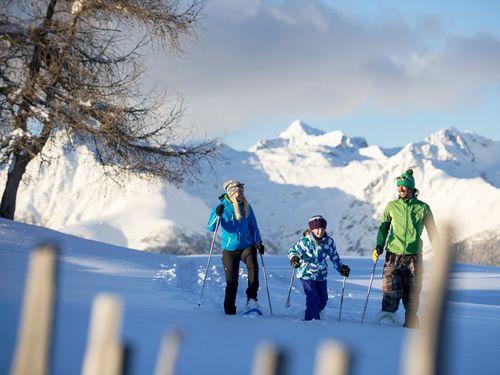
column 309, row 255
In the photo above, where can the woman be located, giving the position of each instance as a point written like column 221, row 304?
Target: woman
column 240, row 241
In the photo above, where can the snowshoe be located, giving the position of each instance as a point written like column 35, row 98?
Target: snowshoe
column 389, row 318
column 252, row 309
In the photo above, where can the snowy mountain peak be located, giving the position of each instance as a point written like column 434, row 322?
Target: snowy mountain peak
column 300, row 136
column 452, row 137
column 299, row 129
column 448, row 136
column 451, row 144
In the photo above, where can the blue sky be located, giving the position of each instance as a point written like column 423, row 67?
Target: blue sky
column 393, row 72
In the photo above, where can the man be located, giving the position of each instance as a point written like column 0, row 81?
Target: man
column 240, row 241
column 403, row 222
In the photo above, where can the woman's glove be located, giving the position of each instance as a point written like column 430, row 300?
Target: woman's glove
column 219, row 210
column 260, row 247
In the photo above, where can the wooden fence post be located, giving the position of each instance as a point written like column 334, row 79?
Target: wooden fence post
column 425, row 347
column 167, row 357
column 104, row 354
column 269, row 360
column 332, row 359
column 34, row 338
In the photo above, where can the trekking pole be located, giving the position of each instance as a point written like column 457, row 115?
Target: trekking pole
column 342, row 297
column 287, row 303
column 209, row 258
column 369, row 289
column 265, row 282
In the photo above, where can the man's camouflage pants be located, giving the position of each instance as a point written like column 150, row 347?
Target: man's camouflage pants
column 402, row 280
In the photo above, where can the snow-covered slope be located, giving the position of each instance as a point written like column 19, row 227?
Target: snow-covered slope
column 304, row 171
column 160, row 293
column 70, row 193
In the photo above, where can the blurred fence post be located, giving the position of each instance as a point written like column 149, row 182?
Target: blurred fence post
column 104, row 354
column 425, row 348
column 269, row 360
column 34, row 338
column 332, row 359
column 167, row 357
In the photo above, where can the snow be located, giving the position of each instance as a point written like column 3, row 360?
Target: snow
column 76, row 7
column 13, row 141
column 161, row 293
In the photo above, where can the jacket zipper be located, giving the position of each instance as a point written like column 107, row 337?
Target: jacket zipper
column 406, row 227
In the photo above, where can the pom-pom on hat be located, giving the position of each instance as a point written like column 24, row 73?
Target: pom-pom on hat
column 232, row 186
column 317, row 221
column 406, row 179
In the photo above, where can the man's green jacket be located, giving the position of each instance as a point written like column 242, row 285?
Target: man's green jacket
column 404, row 221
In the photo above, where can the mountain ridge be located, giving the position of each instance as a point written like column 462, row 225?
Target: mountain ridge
column 341, row 177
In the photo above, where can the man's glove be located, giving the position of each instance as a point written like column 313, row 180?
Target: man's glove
column 345, row 270
column 260, row 247
column 376, row 253
column 295, row 261
column 219, row 210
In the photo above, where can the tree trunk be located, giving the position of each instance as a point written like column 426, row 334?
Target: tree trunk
column 8, row 205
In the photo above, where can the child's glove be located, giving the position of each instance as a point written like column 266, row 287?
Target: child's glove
column 295, row 261
column 345, row 270
column 376, row 253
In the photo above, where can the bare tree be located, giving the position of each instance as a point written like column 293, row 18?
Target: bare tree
column 70, row 67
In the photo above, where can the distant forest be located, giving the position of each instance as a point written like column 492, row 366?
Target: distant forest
column 485, row 251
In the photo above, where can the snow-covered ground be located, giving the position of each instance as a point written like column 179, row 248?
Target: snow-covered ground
column 161, row 293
